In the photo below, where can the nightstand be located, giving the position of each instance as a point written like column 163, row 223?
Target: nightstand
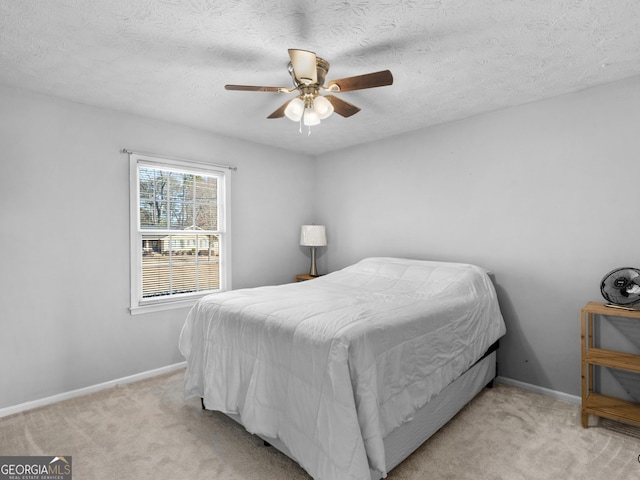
column 592, row 402
column 304, row 276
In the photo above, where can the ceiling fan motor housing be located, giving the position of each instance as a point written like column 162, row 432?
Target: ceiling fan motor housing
column 322, row 67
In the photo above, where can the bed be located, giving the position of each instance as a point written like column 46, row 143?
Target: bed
column 350, row 372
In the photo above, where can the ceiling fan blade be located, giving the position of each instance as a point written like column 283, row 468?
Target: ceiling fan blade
column 341, row 107
column 254, row 88
column 360, row 82
column 279, row 113
column 304, row 66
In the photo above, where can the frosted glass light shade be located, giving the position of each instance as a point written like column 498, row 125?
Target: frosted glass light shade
column 295, row 109
column 310, row 117
column 313, row 236
column 323, row 107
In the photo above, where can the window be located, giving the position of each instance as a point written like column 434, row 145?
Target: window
column 178, row 235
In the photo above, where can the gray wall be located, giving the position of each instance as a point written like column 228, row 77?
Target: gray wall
column 545, row 195
column 64, row 239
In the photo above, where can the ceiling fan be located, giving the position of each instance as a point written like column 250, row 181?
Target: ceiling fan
column 308, row 73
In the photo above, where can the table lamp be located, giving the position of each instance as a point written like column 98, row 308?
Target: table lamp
column 313, row 236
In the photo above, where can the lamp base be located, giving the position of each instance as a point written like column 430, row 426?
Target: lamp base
column 313, row 271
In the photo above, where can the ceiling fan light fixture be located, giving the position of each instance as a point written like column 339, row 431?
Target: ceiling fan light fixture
column 295, row 109
column 322, row 107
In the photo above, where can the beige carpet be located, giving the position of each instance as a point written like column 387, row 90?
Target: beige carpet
column 147, row 430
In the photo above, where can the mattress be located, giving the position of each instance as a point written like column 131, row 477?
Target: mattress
column 331, row 367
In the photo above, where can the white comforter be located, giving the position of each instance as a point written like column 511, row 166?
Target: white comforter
column 330, row 366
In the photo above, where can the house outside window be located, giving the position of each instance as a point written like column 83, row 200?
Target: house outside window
column 178, row 235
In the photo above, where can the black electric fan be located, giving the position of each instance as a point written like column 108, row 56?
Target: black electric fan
column 621, row 287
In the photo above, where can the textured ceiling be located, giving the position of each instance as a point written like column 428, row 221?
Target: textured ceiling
column 451, row 59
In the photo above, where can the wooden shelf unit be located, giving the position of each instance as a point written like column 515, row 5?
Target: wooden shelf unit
column 592, row 402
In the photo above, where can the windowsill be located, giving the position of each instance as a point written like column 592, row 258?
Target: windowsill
column 166, row 305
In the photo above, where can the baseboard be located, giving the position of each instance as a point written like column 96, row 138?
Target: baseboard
column 565, row 397
column 22, row 407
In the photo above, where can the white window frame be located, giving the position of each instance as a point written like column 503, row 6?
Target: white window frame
column 146, row 305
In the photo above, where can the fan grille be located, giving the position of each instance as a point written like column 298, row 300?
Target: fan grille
column 621, row 286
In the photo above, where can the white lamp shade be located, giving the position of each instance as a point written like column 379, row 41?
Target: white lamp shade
column 310, row 117
column 313, row 236
column 295, row 109
column 322, row 106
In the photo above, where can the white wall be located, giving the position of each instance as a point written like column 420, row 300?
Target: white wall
column 545, row 195
column 64, row 239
